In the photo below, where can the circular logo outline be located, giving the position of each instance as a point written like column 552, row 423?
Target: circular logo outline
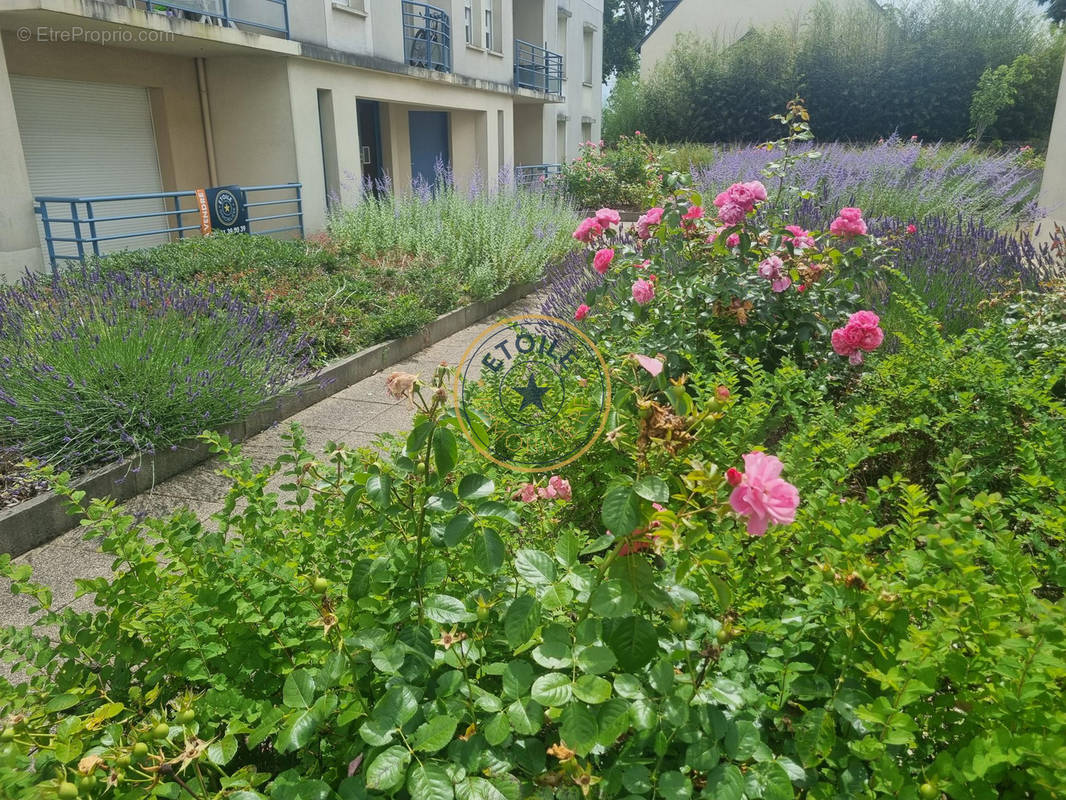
column 468, row 434
column 230, row 219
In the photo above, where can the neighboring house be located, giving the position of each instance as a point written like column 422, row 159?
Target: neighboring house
column 722, row 22
column 1053, row 187
column 150, row 97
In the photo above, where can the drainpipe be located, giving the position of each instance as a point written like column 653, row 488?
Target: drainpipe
column 205, row 116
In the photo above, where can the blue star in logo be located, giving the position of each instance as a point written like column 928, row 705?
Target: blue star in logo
column 532, row 395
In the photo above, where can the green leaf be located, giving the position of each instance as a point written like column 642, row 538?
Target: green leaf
column 815, row 736
column 579, row 728
column 446, row 609
column 653, row 488
column 220, row 752
column 457, row 528
column 621, row 511
column 429, row 782
column 517, row 678
column 492, row 509
column 476, row 487
column 613, row 719
column 304, row 724
column 610, row 600
column 556, row 596
column 496, row 730
column 378, row 488
column 725, row 782
column 535, row 566
column 633, row 642
column 553, row 689
column 637, row 779
column 521, row 620
column 527, row 717
column 592, row 689
column 386, row 772
column 445, row 451
column 299, row 689
column 772, row 781
column 440, row 503
column 674, row 785
column 61, row 703
column 596, row 659
column 434, row 734
column 567, row 549
column 416, row 439
column 396, row 706
column 489, row 551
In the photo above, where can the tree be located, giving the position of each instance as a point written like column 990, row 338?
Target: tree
column 625, row 24
column 1056, row 9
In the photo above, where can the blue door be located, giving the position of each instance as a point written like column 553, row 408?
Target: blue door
column 429, row 144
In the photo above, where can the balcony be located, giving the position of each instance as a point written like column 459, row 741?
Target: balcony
column 537, row 68
column 255, row 16
column 427, row 36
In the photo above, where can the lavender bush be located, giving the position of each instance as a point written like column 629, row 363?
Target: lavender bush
column 893, row 179
column 96, row 366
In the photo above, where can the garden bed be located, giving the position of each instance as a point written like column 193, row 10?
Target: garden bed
column 36, row 515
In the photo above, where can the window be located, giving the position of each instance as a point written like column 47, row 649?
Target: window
column 468, row 20
column 586, row 131
column 588, row 56
column 560, row 141
column 489, row 38
column 562, row 42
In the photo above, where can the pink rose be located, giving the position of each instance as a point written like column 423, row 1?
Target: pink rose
column 696, row 212
column 582, row 312
column 527, row 493
column 733, row 476
column 653, row 366
column 757, row 190
column 762, row 495
column 560, row 486
column 606, row 217
column 771, row 269
column 588, row 230
column 731, row 214
column 733, row 240
column 722, row 199
column 861, row 333
column 780, row 283
column 848, row 223
column 601, row 262
column 643, row 291
column 912, row 228
column 653, row 216
column 800, row 238
column 740, row 194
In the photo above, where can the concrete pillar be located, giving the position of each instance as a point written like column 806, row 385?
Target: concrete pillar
column 1053, row 186
column 20, row 246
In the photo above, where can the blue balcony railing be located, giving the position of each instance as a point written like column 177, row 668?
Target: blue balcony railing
column 537, row 68
column 75, row 227
column 427, row 36
column 259, row 15
column 532, row 176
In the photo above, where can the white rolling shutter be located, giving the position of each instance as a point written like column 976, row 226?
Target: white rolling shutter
column 87, row 140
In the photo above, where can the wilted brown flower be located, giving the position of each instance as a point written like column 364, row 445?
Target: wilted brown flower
column 400, row 385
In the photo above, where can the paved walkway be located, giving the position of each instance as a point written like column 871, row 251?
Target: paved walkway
column 355, row 415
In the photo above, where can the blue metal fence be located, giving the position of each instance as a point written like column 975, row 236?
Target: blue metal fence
column 271, row 15
column 537, row 68
column 74, row 227
column 427, row 36
column 531, row 176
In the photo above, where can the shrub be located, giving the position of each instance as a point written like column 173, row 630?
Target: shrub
column 98, row 366
column 482, row 242
column 623, row 175
column 864, row 71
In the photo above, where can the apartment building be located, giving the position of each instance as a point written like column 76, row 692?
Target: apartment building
column 113, row 113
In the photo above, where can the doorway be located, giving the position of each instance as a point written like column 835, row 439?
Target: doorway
column 429, row 145
column 371, row 157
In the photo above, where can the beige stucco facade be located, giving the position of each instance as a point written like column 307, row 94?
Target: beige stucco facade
column 230, row 105
column 1053, row 186
column 723, row 22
